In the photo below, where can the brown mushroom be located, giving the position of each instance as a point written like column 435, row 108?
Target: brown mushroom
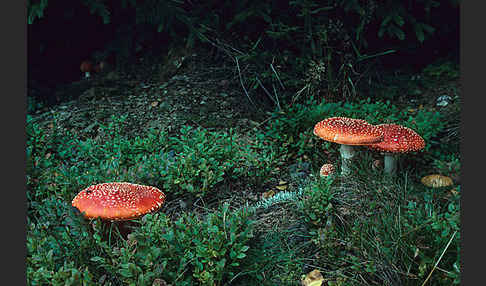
column 118, row 201
column 397, row 139
column 347, row 132
column 436, row 181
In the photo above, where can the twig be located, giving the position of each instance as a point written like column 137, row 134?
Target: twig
column 297, row 94
column 278, row 78
column 276, row 96
column 266, row 92
column 437, row 263
column 241, row 81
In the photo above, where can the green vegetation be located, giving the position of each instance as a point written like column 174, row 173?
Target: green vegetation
column 371, row 229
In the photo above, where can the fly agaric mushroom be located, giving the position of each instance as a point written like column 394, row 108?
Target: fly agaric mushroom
column 347, row 132
column 397, row 139
column 118, row 201
column 86, row 68
column 436, row 181
column 326, row 170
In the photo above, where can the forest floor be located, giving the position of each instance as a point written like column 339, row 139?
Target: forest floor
column 201, row 94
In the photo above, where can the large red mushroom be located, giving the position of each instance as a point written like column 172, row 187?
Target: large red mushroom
column 347, row 132
column 397, row 139
column 118, row 201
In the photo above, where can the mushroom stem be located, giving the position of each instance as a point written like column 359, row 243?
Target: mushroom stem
column 390, row 164
column 347, row 154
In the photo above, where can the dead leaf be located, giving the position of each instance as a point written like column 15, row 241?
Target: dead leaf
column 282, row 186
column 313, row 278
column 454, row 191
column 268, row 194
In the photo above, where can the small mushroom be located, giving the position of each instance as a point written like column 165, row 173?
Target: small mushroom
column 377, row 165
column 100, row 67
column 86, row 67
column 347, row 132
column 118, row 201
column 436, row 181
column 326, row 170
column 396, row 139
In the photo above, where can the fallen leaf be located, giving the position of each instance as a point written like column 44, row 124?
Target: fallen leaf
column 282, row 186
column 313, row 278
column 268, row 194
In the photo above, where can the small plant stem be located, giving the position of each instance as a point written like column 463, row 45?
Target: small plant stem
column 109, row 235
column 437, row 263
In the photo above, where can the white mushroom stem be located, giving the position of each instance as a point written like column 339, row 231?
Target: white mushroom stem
column 347, row 154
column 86, row 74
column 390, row 164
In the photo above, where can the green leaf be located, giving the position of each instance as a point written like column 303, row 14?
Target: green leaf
column 429, row 29
column 398, row 20
column 97, row 259
column 241, row 255
column 419, row 33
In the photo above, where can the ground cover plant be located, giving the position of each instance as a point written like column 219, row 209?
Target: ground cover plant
column 372, row 229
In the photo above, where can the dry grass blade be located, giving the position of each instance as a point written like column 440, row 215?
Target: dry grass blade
column 241, row 82
column 438, row 260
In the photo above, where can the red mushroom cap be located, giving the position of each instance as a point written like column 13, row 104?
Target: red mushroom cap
column 398, row 139
column 348, row 131
column 326, row 170
column 86, row 66
column 118, row 200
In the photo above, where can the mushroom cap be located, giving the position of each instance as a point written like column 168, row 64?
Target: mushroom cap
column 348, row 131
column 398, row 139
column 118, row 200
column 99, row 67
column 436, row 181
column 86, row 66
column 326, row 170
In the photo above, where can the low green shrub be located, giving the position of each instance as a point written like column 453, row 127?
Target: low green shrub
column 195, row 161
column 63, row 248
column 316, row 205
column 442, row 70
column 59, row 244
column 188, row 251
column 202, row 160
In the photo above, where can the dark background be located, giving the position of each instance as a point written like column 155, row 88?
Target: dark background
column 71, row 31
